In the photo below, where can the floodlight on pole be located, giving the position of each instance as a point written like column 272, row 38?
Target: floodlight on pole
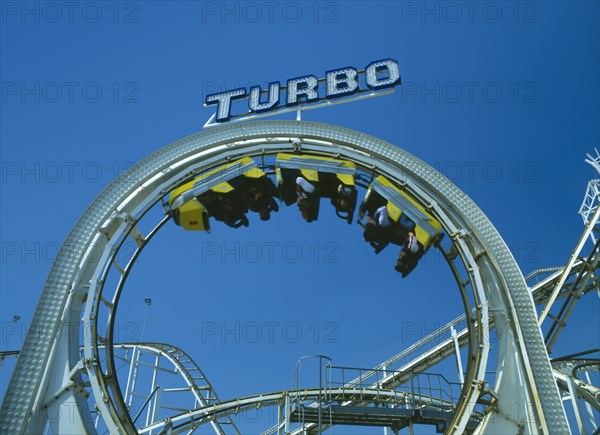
column 16, row 318
column 148, row 303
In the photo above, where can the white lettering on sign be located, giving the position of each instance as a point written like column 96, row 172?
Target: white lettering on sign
column 301, row 90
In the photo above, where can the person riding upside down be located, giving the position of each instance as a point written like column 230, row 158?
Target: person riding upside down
column 409, row 256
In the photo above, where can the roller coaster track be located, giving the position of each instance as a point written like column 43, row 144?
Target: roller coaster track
column 183, row 365
column 418, row 408
column 197, row 382
column 50, row 370
column 431, row 357
column 427, row 358
column 564, row 374
column 567, row 371
column 376, row 396
column 206, row 397
column 572, row 289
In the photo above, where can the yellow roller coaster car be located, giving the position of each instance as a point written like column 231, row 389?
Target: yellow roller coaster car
column 329, row 178
column 192, row 203
column 404, row 212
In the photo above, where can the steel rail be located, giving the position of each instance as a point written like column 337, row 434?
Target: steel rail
column 200, row 416
column 109, row 383
column 73, row 278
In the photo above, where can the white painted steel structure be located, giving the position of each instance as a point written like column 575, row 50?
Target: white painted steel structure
column 589, row 205
column 50, row 370
column 403, row 367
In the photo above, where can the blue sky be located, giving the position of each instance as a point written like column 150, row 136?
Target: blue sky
column 503, row 98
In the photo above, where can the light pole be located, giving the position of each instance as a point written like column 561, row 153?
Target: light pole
column 148, row 303
column 16, row 318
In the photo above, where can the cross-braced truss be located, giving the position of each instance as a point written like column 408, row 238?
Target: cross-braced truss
column 52, row 370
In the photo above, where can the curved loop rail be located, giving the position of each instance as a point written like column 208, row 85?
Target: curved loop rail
column 76, row 280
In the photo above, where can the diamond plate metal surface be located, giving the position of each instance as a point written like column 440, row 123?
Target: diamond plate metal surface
column 33, row 362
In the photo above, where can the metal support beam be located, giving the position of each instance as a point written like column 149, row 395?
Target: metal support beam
column 155, row 176
column 461, row 376
column 574, row 256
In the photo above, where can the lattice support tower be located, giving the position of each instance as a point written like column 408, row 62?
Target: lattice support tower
column 592, row 195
